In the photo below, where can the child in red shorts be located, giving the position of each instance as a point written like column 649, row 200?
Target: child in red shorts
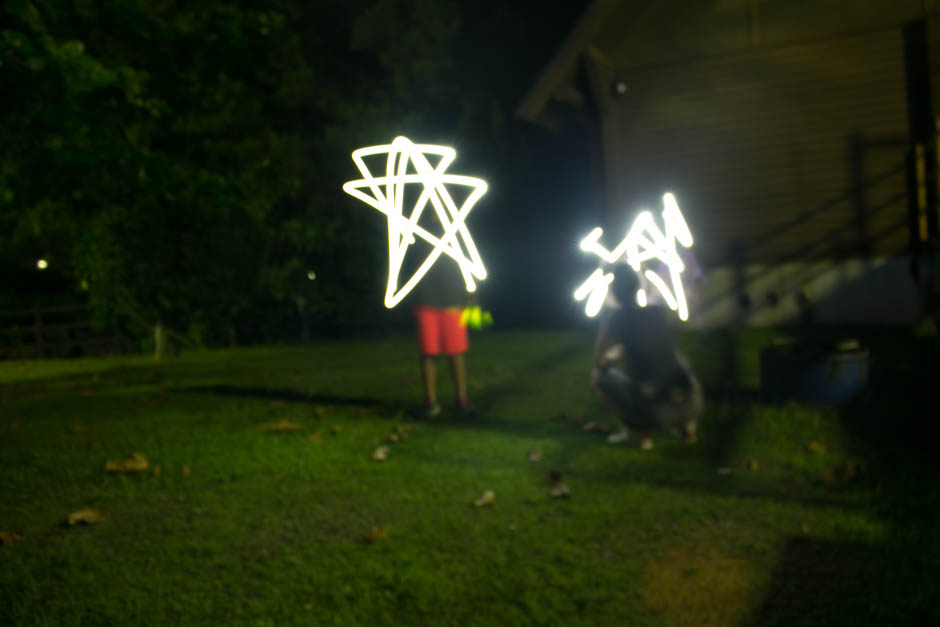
column 437, row 312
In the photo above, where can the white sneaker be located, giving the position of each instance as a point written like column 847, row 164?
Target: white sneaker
column 618, row 437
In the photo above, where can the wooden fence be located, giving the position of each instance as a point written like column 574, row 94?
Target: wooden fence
column 53, row 332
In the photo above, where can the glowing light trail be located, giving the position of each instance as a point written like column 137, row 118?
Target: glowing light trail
column 644, row 241
column 387, row 193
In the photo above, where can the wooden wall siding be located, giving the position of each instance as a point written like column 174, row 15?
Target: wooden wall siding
column 777, row 152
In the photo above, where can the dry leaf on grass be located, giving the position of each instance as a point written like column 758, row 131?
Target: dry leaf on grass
column 377, row 534
column 135, row 463
column 535, row 455
column 316, row 437
column 816, row 447
column 87, row 516
column 185, row 470
column 380, row 454
column 394, row 438
column 321, row 412
column 280, row 426
column 486, row 498
column 559, row 491
column 9, row 538
column 157, row 470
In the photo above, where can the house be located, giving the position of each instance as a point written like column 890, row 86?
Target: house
column 797, row 136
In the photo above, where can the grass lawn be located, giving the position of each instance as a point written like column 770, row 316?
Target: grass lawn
column 777, row 516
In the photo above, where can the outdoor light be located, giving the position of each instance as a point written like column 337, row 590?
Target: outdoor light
column 387, row 194
column 644, row 241
column 42, row 264
column 311, row 275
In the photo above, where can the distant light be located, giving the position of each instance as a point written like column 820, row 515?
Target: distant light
column 42, row 264
column 387, row 194
column 311, row 275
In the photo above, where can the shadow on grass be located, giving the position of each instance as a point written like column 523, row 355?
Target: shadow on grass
column 822, row 582
column 284, row 394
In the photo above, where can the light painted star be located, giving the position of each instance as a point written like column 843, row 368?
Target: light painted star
column 387, row 194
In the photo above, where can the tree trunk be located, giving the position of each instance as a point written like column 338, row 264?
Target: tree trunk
column 161, row 343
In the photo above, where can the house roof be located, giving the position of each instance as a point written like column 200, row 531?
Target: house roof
column 565, row 62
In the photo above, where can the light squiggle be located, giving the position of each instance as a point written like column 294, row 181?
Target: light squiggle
column 644, row 241
column 387, row 195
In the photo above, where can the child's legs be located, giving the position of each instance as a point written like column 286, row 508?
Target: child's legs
column 455, row 343
column 458, row 370
column 429, row 379
column 619, row 394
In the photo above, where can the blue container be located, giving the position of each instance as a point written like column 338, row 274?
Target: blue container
column 812, row 374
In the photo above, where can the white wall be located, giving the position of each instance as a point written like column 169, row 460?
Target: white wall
column 876, row 291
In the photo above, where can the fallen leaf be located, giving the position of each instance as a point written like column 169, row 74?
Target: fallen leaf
column 535, row 455
column 185, row 470
column 402, row 429
column 135, row 463
column 377, row 534
column 87, row 516
column 816, row 447
column 486, row 498
column 321, row 412
column 157, row 470
column 316, row 437
column 280, row 426
column 9, row 538
column 725, row 470
column 393, row 437
column 753, row 464
column 559, row 491
column 336, row 429
column 79, row 429
column 380, row 454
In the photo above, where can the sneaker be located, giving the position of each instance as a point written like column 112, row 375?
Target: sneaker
column 619, row 437
column 428, row 410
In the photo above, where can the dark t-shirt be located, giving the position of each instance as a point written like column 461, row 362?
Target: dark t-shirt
column 650, row 347
column 442, row 287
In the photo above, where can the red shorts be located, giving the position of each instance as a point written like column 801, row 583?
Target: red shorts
column 440, row 331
